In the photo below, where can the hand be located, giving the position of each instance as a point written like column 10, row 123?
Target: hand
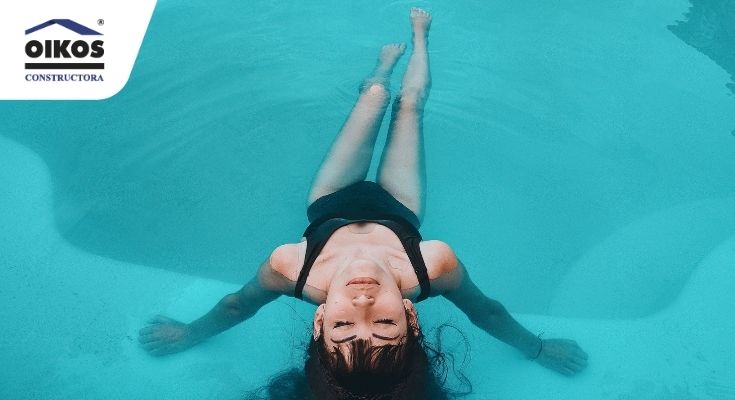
column 164, row 335
column 563, row 356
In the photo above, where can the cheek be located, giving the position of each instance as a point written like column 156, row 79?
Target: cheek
column 337, row 309
column 338, row 302
column 391, row 306
column 381, row 311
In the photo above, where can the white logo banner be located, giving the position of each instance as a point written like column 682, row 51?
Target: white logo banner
column 70, row 50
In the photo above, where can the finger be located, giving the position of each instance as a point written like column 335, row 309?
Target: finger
column 148, row 330
column 576, row 365
column 579, row 353
column 162, row 351
column 147, row 338
column 566, row 371
column 152, row 345
column 573, row 345
column 160, row 319
column 579, row 364
column 159, row 348
column 582, row 361
column 157, row 353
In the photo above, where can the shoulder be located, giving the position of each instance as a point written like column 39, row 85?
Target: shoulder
column 439, row 257
column 285, row 260
column 281, row 269
column 445, row 270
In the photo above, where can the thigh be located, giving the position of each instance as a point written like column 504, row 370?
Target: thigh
column 402, row 171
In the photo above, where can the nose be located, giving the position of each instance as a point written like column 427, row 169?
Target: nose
column 363, row 300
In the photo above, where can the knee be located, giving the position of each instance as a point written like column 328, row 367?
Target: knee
column 376, row 90
column 409, row 101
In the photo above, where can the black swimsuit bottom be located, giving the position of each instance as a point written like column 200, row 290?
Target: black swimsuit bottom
column 362, row 202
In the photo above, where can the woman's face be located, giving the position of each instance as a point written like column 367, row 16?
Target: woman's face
column 364, row 302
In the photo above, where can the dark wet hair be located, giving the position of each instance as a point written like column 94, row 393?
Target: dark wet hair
column 410, row 370
column 366, row 372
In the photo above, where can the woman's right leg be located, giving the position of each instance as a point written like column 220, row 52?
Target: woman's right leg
column 348, row 160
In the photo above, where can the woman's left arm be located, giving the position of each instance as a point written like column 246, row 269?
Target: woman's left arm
column 561, row 355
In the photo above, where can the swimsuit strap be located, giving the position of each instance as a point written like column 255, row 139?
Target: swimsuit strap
column 411, row 238
column 316, row 238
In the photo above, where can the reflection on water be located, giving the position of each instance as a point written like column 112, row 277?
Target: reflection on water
column 710, row 28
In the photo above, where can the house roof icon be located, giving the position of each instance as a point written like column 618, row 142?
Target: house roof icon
column 66, row 23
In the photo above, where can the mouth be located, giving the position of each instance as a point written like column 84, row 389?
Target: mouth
column 362, row 281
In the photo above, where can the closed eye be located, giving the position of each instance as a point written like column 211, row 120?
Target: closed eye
column 341, row 323
column 385, row 321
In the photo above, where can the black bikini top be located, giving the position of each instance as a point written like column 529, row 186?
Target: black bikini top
column 318, row 233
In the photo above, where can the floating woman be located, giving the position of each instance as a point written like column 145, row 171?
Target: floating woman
column 363, row 261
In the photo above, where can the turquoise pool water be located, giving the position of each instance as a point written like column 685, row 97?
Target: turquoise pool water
column 580, row 160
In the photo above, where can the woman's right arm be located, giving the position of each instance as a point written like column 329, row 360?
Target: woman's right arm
column 164, row 335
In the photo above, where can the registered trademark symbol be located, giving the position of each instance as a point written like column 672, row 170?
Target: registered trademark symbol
column 100, row 22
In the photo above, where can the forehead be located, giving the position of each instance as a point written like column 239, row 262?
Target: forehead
column 365, row 347
column 396, row 314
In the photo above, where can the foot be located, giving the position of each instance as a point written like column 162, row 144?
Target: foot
column 389, row 55
column 420, row 22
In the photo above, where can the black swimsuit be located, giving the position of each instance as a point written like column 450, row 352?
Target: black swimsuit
column 362, row 202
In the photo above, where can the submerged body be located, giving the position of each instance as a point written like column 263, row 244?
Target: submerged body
column 362, row 259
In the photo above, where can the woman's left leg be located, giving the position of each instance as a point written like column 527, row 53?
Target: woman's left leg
column 402, row 171
column 348, row 160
